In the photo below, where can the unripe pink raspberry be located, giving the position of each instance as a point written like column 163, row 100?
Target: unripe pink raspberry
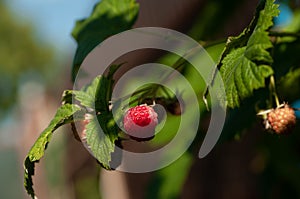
column 140, row 122
column 80, row 129
column 282, row 119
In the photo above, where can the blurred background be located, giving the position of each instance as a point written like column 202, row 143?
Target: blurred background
column 36, row 52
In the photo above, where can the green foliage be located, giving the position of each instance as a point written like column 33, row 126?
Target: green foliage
column 108, row 18
column 92, row 95
column 245, row 67
column 63, row 116
column 241, row 76
column 244, row 63
column 101, row 139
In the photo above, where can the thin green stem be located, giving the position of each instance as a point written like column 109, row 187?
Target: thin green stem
column 166, row 92
column 273, row 90
column 207, row 44
column 178, row 66
column 284, row 34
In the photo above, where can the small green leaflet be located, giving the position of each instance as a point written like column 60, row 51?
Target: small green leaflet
column 97, row 94
column 94, row 95
column 108, row 18
column 65, row 114
column 101, row 131
column 101, row 138
column 245, row 61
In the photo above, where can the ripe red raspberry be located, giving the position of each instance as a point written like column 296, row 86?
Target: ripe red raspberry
column 282, row 119
column 140, row 122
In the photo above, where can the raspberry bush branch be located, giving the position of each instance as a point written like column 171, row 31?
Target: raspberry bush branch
column 245, row 63
column 90, row 100
column 247, row 55
column 67, row 113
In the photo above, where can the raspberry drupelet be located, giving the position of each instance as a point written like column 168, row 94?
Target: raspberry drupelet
column 140, row 122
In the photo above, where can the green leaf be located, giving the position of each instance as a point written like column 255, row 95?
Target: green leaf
column 65, row 114
column 108, row 18
column 97, row 94
column 28, row 173
column 101, row 134
column 244, row 68
column 241, row 76
column 94, row 95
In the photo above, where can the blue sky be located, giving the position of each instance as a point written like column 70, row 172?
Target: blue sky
column 53, row 20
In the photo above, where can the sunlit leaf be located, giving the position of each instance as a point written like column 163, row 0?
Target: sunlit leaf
column 65, row 114
column 108, row 18
column 245, row 68
column 101, row 133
